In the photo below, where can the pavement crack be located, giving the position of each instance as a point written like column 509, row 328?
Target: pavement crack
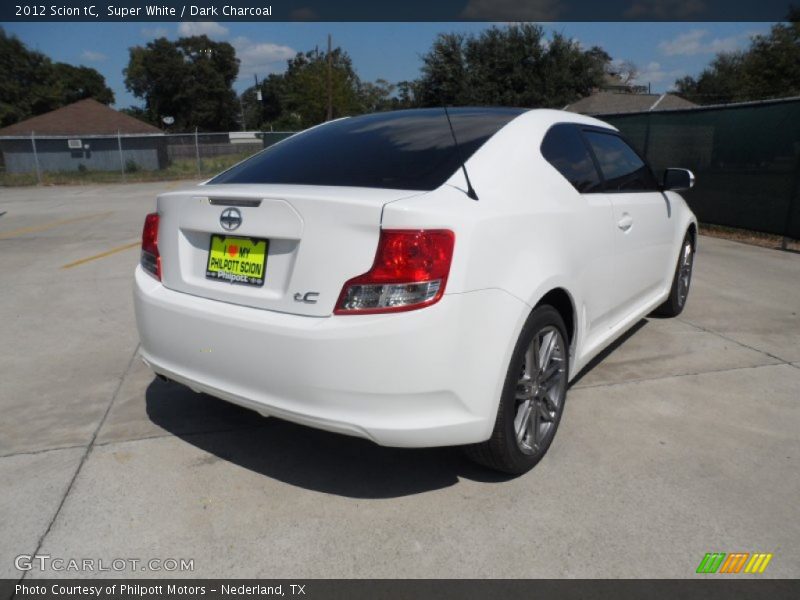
column 733, row 341
column 85, row 455
column 678, row 375
column 40, row 451
column 187, row 434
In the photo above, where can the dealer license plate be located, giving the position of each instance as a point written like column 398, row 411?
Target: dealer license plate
column 237, row 260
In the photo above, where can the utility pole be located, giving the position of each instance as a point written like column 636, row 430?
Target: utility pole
column 241, row 107
column 330, row 80
column 258, row 89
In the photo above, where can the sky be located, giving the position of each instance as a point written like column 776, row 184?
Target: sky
column 663, row 52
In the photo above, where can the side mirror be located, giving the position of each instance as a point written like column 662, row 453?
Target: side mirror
column 678, row 180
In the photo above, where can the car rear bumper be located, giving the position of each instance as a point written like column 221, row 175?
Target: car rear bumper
column 430, row 377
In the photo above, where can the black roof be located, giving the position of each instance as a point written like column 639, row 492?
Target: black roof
column 405, row 149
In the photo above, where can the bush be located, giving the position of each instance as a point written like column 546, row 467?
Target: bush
column 82, row 168
column 131, row 166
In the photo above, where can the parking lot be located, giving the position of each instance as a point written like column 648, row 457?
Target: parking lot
column 683, row 439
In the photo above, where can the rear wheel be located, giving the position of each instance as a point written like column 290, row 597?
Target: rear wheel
column 679, row 292
column 533, row 397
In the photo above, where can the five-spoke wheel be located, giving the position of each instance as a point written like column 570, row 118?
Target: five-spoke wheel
column 540, row 389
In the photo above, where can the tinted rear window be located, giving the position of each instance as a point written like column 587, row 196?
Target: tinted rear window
column 409, row 150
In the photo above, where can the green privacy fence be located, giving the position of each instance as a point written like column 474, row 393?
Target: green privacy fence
column 746, row 158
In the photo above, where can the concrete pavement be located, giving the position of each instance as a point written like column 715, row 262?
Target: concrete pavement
column 681, row 440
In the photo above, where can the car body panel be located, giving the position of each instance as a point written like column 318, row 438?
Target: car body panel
column 409, row 379
column 318, row 238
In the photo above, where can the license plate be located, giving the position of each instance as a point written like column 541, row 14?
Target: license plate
column 237, row 260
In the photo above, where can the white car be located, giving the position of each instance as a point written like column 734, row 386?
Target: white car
column 416, row 278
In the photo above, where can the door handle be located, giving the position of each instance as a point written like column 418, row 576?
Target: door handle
column 626, row 222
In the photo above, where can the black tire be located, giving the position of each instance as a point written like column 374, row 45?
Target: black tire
column 502, row 452
column 678, row 294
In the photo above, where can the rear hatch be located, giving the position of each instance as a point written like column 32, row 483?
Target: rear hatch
column 317, row 238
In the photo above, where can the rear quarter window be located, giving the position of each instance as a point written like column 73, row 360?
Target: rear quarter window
column 622, row 168
column 564, row 148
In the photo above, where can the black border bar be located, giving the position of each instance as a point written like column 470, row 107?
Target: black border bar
column 699, row 588
column 397, row 10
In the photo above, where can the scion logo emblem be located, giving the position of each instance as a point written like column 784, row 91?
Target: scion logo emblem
column 230, row 219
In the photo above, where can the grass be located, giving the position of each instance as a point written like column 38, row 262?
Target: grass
column 754, row 238
column 179, row 169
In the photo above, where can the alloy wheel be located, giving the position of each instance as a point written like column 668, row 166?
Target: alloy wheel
column 685, row 272
column 540, row 390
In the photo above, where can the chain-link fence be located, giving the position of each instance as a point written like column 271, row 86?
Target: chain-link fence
column 746, row 158
column 122, row 158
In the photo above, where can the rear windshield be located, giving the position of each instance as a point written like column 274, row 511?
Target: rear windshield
column 408, row 150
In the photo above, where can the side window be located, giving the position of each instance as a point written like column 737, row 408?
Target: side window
column 622, row 168
column 564, row 148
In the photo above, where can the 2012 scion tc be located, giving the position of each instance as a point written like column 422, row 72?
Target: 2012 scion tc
column 417, row 278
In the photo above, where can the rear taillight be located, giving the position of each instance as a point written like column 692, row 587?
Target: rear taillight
column 151, row 260
column 410, row 272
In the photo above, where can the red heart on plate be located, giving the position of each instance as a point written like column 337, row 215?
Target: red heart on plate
column 233, row 250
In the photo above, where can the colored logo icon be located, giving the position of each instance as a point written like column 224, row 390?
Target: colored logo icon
column 735, row 562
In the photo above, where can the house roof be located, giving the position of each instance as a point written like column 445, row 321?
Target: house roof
column 84, row 117
column 611, row 103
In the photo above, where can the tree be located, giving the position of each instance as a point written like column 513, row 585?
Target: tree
column 625, row 72
column 298, row 97
column 444, row 71
column 510, row 66
column 273, row 101
column 378, row 96
column 30, row 84
column 190, row 79
column 769, row 68
column 77, row 83
column 722, row 81
column 137, row 112
column 407, row 94
column 568, row 72
column 306, row 87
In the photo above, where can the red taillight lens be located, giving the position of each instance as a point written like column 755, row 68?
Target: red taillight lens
column 410, row 271
column 151, row 259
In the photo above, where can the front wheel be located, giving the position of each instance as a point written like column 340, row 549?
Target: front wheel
column 679, row 292
column 533, row 397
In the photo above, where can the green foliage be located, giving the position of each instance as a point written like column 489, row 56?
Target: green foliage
column 305, row 88
column 378, row 96
column 31, row 84
column 298, row 97
column 510, row 66
column 190, row 79
column 769, row 68
column 76, row 83
column 137, row 112
column 131, row 166
column 444, row 73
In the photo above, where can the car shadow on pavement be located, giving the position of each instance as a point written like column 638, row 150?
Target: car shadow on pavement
column 302, row 456
column 609, row 350
column 313, row 459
